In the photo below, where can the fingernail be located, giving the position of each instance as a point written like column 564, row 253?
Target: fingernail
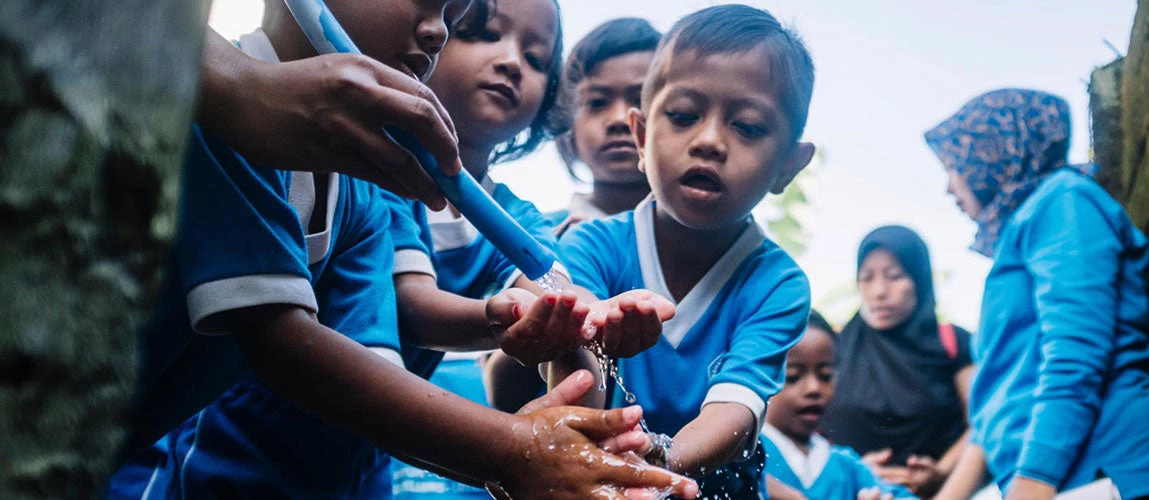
column 517, row 311
column 551, row 299
column 632, row 412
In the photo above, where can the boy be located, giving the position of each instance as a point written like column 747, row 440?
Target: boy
column 723, row 108
column 801, row 464
column 297, row 269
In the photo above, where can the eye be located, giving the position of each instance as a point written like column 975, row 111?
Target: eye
column 535, row 62
column 749, row 130
column 681, row 119
column 793, row 378
column 489, row 36
column 635, row 101
column 597, row 103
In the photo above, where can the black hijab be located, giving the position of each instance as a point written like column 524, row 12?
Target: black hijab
column 895, row 388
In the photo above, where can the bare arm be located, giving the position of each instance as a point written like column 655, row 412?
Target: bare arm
column 967, row 477
column 436, row 319
column 354, row 389
column 716, row 438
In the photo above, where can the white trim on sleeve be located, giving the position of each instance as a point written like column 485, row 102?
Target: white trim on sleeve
column 389, row 354
column 214, row 297
column 734, row 393
column 410, row 260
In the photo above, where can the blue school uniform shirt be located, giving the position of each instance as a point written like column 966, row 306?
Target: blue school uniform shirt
column 826, row 472
column 729, row 337
column 463, row 261
column 1062, row 392
column 242, row 242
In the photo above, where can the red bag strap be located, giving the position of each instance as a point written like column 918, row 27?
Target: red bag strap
column 948, row 336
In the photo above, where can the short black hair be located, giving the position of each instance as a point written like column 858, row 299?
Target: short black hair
column 617, row 37
column 817, row 321
column 474, row 25
column 735, row 29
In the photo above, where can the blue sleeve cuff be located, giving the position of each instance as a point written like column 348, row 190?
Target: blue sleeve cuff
column 1044, row 463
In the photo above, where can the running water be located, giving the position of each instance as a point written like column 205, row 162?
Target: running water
column 606, row 364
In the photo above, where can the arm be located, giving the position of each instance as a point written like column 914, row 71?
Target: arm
column 777, row 490
column 927, row 475
column 967, row 477
column 1073, row 255
column 324, row 114
column 717, row 437
column 546, row 452
column 432, row 318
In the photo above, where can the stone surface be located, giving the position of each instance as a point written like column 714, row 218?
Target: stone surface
column 95, row 102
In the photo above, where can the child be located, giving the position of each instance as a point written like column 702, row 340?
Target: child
column 296, row 268
column 601, row 81
column 800, row 463
column 1062, row 388
column 723, row 108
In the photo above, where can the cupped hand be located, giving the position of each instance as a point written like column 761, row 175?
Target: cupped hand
column 536, row 329
column 631, row 322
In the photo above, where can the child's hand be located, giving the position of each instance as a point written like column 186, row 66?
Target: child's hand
column 631, row 322
column 892, row 474
column 568, row 393
column 560, row 459
column 536, row 329
column 324, row 114
column 924, row 476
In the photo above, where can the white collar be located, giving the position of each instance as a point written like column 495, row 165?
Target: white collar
column 302, row 193
column 699, row 298
column 449, row 232
column 807, row 467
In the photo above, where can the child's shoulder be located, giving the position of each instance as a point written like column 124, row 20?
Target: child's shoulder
column 620, row 225
column 770, row 265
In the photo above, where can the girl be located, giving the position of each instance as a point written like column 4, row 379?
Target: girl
column 1062, row 390
column 601, row 81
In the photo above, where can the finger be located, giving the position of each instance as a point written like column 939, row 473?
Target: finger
column 633, row 441
column 630, row 475
column 651, row 325
column 631, row 327
column 388, row 159
column 612, row 331
column 567, row 393
column 576, row 325
column 560, row 316
column 598, row 425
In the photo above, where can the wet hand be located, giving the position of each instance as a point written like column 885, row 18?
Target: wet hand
column 536, row 329
column 631, row 322
column 560, row 459
column 324, row 114
column 568, row 393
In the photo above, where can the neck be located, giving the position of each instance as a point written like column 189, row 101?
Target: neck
column 476, row 158
column 614, row 198
column 801, row 442
column 687, row 254
column 288, row 40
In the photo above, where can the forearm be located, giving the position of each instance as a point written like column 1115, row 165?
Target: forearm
column 436, row 319
column 949, row 461
column 716, row 438
column 559, row 369
column 351, row 388
column 224, row 83
column 967, row 476
column 509, row 384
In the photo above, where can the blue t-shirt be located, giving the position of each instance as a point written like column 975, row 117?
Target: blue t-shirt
column 1062, row 390
column 463, row 261
column 839, row 472
column 727, row 341
column 241, row 242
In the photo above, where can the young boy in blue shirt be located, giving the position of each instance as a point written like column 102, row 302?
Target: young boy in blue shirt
column 800, row 463
column 723, row 109
column 296, row 268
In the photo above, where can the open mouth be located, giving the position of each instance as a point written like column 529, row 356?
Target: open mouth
column 811, row 413
column 702, row 184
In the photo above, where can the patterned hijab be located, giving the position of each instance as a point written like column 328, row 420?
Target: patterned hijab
column 1004, row 143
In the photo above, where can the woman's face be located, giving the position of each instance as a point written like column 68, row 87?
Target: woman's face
column 963, row 195
column 889, row 296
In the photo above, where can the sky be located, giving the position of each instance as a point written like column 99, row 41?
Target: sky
column 887, row 71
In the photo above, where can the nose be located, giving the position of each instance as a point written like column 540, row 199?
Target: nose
column 617, row 118
column 708, row 142
column 812, row 386
column 432, row 34
column 511, row 65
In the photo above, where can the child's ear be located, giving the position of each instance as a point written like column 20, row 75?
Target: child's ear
column 799, row 158
column 638, row 131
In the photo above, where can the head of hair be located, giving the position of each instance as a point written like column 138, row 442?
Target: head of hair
column 473, row 26
column 820, row 323
column 617, row 37
column 738, row 29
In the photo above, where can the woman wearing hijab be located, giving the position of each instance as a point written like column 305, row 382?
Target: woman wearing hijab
column 1061, row 397
column 901, row 376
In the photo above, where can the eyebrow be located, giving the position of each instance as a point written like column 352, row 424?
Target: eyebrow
column 607, row 89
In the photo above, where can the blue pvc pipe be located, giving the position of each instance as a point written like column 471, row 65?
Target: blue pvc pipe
column 463, row 191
